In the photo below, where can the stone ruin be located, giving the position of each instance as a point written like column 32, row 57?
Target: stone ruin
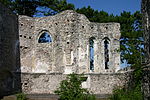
column 42, row 51
column 68, row 49
column 51, row 47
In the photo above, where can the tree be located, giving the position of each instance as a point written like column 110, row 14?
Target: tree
column 22, row 7
column 70, row 89
column 32, row 7
column 25, row 7
column 6, row 2
column 131, row 37
column 55, row 6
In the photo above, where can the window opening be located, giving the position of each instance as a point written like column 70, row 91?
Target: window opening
column 91, row 42
column 45, row 38
column 106, row 53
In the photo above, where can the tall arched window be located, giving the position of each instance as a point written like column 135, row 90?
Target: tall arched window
column 106, row 53
column 45, row 38
column 91, row 43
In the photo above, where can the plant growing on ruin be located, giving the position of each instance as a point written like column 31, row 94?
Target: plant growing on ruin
column 125, row 94
column 70, row 89
column 21, row 96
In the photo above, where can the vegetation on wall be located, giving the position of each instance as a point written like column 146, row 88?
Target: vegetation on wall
column 21, row 96
column 124, row 94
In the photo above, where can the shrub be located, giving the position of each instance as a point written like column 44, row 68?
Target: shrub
column 125, row 94
column 70, row 89
column 21, row 96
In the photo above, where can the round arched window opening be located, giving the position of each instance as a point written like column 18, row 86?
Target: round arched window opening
column 45, row 38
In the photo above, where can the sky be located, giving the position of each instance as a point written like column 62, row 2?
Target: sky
column 110, row 6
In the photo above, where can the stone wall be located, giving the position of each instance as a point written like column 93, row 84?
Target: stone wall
column 106, row 83
column 9, row 52
column 69, row 50
column 38, row 83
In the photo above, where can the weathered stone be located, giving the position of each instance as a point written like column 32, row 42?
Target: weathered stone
column 69, row 50
column 39, row 83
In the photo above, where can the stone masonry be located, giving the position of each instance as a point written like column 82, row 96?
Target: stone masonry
column 45, row 65
column 69, row 50
column 101, row 83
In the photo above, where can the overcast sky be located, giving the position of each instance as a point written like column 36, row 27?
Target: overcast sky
column 110, row 6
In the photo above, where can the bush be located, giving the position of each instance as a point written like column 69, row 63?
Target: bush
column 125, row 94
column 21, row 96
column 70, row 89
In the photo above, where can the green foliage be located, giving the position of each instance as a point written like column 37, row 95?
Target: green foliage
column 55, row 6
column 22, row 7
column 6, row 2
column 25, row 7
column 21, row 96
column 29, row 7
column 124, row 94
column 70, row 89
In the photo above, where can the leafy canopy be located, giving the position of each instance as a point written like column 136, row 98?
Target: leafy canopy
column 33, row 7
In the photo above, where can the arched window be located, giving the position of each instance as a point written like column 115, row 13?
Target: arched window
column 45, row 38
column 106, row 53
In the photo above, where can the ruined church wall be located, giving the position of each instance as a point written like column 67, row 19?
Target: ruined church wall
column 100, row 31
column 106, row 83
column 26, row 31
column 9, row 51
column 69, row 50
column 41, row 83
column 96, row 83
